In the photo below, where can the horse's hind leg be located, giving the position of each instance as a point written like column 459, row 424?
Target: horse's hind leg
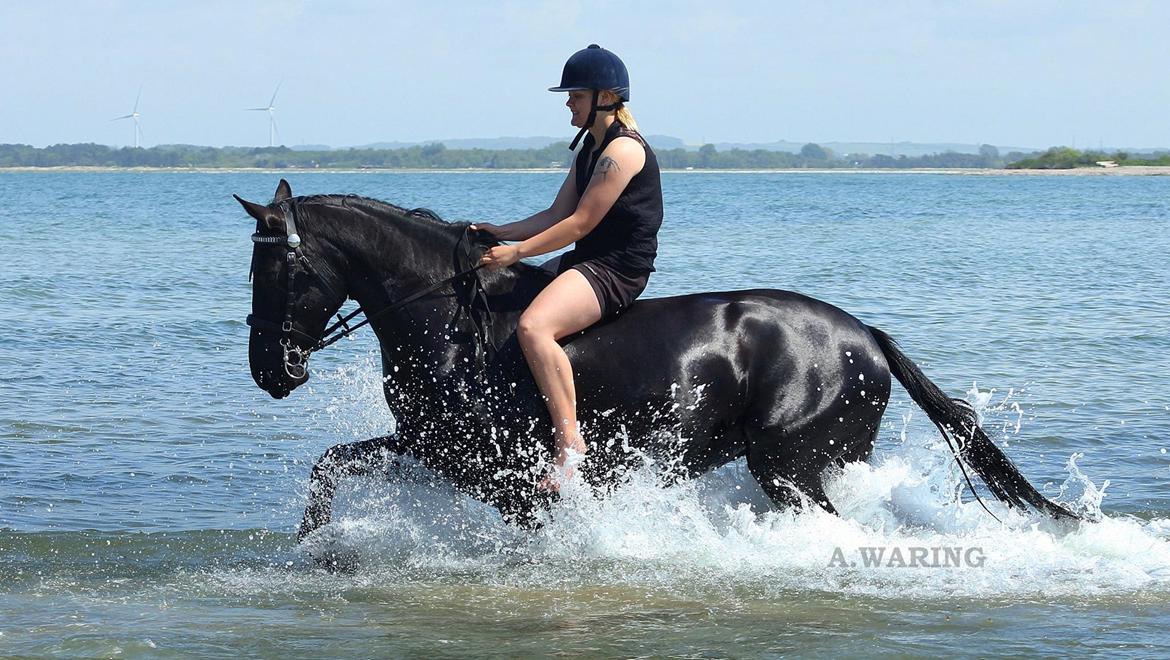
column 787, row 492
column 352, row 459
column 790, row 463
column 787, row 468
column 862, row 449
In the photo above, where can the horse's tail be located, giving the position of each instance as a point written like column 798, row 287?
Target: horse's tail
column 956, row 420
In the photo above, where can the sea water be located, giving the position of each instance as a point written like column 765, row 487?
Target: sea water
column 149, row 492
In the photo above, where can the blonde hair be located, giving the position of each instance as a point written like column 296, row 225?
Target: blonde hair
column 623, row 113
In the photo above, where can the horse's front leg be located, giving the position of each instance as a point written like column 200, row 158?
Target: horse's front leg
column 351, row 459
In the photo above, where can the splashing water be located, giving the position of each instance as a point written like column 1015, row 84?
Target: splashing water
column 905, row 529
column 153, row 513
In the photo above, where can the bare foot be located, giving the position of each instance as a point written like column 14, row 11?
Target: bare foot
column 552, row 482
column 565, row 468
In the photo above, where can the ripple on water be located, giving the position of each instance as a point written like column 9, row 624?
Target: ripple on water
column 132, row 434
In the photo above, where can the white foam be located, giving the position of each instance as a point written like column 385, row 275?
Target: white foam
column 721, row 530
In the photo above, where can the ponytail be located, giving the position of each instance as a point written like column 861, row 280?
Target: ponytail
column 624, row 115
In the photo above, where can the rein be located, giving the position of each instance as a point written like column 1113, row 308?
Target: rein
column 296, row 358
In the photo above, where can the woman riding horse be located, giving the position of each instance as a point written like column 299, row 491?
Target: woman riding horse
column 610, row 205
column 792, row 384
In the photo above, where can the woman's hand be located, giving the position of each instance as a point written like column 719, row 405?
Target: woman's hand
column 500, row 256
column 495, row 230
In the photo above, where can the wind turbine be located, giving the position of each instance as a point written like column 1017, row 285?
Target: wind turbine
column 134, row 115
column 271, row 110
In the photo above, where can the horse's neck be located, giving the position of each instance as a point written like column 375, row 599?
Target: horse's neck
column 426, row 348
column 394, row 257
column 388, row 260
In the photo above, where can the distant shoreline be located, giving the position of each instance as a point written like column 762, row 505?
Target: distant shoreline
column 1132, row 170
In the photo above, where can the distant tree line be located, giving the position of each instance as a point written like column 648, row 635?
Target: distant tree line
column 815, row 156
column 1066, row 158
column 437, row 156
column 420, row 157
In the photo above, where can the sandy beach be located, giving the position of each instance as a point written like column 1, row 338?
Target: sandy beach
column 1129, row 170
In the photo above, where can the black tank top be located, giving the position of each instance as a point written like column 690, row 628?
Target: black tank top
column 626, row 239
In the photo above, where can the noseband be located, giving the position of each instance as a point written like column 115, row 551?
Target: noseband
column 296, row 358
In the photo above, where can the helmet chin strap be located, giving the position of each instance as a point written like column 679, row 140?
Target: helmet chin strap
column 593, row 108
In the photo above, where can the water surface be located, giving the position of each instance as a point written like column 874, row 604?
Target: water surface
column 150, row 491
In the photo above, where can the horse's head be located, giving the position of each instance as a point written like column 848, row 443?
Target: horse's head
column 294, row 294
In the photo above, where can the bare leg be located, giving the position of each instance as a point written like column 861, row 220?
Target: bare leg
column 352, row 459
column 565, row 306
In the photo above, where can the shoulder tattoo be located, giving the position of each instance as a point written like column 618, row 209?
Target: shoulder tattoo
column 605, row 166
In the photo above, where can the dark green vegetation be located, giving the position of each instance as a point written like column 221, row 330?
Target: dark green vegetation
column 815, row 156
column 437, row 156
column 422, row 157
column 1065, row 158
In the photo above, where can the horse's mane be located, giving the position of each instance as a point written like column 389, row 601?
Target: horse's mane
column 371, row 207
column 386, row 212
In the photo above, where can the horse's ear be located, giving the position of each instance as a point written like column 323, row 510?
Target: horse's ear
column 283, row 192
column 258, row 211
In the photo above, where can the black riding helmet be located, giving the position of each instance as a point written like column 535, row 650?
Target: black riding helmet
column 594, row 68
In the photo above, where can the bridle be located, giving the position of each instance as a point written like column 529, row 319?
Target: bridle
column 296, row 358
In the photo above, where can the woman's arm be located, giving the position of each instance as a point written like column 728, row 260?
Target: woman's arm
column 620, row 162
column 540, row 221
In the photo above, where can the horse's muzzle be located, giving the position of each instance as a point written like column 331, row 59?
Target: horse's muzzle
column 278, row 383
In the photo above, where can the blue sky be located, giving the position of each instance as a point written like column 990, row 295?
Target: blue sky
column 1033, row 73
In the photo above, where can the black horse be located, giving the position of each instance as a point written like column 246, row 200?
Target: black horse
column 792, row 383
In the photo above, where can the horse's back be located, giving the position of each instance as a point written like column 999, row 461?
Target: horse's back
column 775, row 299
column 764, row 312
column 715, row 362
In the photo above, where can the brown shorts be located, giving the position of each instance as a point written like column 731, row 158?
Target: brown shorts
column 615, row 291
